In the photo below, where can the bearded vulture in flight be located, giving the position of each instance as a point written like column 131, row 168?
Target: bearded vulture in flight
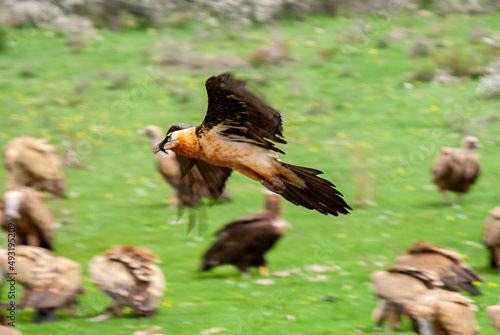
column 238, row 134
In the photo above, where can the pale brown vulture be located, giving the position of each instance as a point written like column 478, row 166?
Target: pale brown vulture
column 127, row 274
column 456, row 169
column 32, row 162
column 168, row 166
column 491, row 237
column 5, row 329
column 49, row 282
column 493, row 313
column 238, row 134
column 397, row 287
column 440, row 312
column 32, row 218
column 244, row 241
column 447, row 263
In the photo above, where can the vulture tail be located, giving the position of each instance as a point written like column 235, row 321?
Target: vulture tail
column 318, row 194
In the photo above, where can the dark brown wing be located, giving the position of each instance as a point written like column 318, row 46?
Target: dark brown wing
column 199, row 178
column 246, row 117
column 247, row 219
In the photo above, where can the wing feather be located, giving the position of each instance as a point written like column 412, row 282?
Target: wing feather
column 248, row 118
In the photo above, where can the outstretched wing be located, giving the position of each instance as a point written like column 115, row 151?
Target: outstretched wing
column 244, row 117
column 199, row 178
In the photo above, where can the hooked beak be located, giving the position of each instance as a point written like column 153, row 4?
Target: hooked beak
column 157, row 148
column 161, row 146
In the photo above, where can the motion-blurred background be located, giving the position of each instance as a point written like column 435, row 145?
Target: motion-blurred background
column 369, row 92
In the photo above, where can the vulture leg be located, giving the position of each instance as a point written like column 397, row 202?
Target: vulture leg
column 274, row 184
column 459, row 200
column 33, row 240
column 45, row 315
column 116, row 309
column 445, row 196
column 264, row 270
column 425, row 327
column 174, row 202
column 495, row 257
column 260, row 263
column 244, row 270
column 70, row 306
column 379, row 314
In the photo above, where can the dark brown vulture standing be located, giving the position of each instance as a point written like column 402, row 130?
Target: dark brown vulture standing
column 127, row 274
column 493, row 313
column 446, row 263
column 238, row 134
column 491, row 237
column 33, row 219
column 49, row 282
column 440, row 312
column 456, row 169
column 33, row 163
column 397, row 287
column 244, row 241
column 168, row 166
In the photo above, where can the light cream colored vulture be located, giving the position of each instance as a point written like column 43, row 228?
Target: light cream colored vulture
column 493, row 313
column 32, row 162
column 49, row 282
column 455, row 274
column 397, row 287
column 491, row 237
column 440, row 312
column 127, row 274
column 244, row 241
column 168, row 166
column 32, row 218
column 456, row 169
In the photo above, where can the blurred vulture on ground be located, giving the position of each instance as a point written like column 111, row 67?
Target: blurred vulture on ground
column 168, row 166
column 456, row 169
column 493, row 313
column 5, row 329
column 127, row 274
column 32, row 218
column 33, row 163
column 397, row 287
column 491, row 237
column 455, row 274
column 244, row 241
column 440, row 312
column 49, row 282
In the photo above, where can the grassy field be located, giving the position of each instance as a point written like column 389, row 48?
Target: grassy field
column 345, row 111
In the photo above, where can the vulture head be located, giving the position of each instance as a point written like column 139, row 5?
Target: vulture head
column 173, row 138
column 470, row 142
column 140, row 254
column 13, row 200
column 151, row 131
column 495, row 212
column 168, row 143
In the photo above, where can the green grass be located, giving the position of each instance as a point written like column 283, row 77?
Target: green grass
column 364, row 128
